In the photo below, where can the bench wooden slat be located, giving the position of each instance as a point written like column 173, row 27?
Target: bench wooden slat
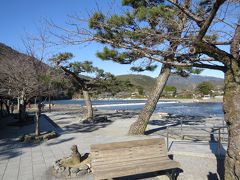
column 131, row 170
column 126, row 144
column 151, row 148
column 130, row 163
column 168, row 163
column 105, row 156
column 157, row 158
column 119, row 159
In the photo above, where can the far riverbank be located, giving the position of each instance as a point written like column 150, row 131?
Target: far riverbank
column 195, row 100
column 209, row 100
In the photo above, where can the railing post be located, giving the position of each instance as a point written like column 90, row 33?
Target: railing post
column 167, row 140
column 219, row 141
column 181, row 127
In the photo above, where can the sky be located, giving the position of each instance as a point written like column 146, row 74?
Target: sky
column 21, row 17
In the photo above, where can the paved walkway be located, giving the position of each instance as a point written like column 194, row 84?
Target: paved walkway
column 23, row 161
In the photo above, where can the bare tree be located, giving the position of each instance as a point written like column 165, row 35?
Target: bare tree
column 24, row 77
column 18, row 76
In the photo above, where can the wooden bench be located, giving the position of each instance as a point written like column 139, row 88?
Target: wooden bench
column 126, row 158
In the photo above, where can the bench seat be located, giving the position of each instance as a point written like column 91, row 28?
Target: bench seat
column 130, row 157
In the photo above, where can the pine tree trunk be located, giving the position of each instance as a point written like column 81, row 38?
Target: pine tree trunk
column 37, row 119
column 88, row 104
column 139, row 126
column 231, row 104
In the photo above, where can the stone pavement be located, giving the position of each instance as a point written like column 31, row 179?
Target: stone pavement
column 24, row 161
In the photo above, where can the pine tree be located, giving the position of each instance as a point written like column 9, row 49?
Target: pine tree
column 134, row 37
column 75, row 71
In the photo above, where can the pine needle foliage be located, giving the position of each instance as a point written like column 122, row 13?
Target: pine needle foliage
column 138, row 34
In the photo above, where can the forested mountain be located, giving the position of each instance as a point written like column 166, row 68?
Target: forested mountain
column 146, row 82
column 180, row 83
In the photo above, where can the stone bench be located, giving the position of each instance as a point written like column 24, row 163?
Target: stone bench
column 127, row 158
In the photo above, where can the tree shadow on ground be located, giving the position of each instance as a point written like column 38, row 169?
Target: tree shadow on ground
column 219, row 152
column 8, row 149
column 119, row 115
column 173, row 121
column 84, row 128
column 10, row 145
column 11, row 148
column 59, row 141
column 101, row 120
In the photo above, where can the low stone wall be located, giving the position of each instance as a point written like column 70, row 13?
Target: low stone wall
column 59, row 170
column 33, row 138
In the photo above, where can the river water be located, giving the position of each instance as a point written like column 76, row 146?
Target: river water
column 172, row 107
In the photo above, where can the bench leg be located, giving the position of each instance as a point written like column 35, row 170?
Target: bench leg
column 172, row 174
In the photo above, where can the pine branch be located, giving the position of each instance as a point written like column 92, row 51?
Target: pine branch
column 208, row 66
column 196, row 18
column 206, row 24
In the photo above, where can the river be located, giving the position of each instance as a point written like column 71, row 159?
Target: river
column 171, row 106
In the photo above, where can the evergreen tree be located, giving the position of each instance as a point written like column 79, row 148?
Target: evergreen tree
column 205, row 88
column 75, row 71
column 136, row 36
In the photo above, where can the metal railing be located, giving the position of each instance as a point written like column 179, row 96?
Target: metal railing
column 215, row 130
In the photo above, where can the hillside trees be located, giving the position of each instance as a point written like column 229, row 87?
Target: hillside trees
column 170, row 90
column 112, row 85
column 205, row 88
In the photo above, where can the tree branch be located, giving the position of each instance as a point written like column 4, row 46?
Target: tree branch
column 221, row 43
column 209, row 19
column 208, row 66
column 74, row 76
column 212, row 51
column 194, row 17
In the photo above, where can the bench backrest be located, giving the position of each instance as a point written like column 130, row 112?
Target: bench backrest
column 128, row 151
